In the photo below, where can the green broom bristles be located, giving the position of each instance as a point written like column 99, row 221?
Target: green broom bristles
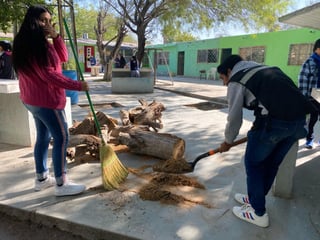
column 113, row 172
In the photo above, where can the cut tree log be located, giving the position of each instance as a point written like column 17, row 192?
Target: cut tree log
column 146, row 114
column 87, row 126
column 160, row 145
column 125, row 129
column 75, row 140
column 124, row 116
column 83, row 147
column 135, row 133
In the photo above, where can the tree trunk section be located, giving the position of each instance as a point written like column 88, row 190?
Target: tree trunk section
column 161, row 145
column 146, row 114
column 80, row 139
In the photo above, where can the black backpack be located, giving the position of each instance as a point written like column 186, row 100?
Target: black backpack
column 276, row 91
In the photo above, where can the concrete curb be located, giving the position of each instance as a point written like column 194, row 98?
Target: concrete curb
column 84, row 231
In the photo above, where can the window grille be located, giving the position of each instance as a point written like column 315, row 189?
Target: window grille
column 299, row 53
column 256, row 54
column 208, row 56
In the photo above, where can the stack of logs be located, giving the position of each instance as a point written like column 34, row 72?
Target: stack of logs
column 138, row 132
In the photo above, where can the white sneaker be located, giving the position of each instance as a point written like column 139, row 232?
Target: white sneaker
column 246, row 213
column 241, row 198
column 69, row 188
column 49, row 182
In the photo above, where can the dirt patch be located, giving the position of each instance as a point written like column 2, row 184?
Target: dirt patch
column 173, row 166
column 164, row 187
column 163, row 182
column 162, row 179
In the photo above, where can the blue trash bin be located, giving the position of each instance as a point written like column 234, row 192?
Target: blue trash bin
column 74, row 95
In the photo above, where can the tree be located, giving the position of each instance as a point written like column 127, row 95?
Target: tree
column 174, row 35
column 13, row 11
column 100, row 30
column 86, row 20
column 213, row 13
column 138, row 14
column 198, row 14
column 142, row 17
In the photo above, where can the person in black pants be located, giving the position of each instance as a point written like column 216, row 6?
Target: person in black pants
column 6, row 70
column 134, row 67
column 309, row 78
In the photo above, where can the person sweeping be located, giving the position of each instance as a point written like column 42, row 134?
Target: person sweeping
column 42, row 90
column 280, row 115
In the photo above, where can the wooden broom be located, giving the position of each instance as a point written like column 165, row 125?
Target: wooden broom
column 113, row 172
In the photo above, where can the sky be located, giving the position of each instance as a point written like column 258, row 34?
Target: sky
column 236, row 30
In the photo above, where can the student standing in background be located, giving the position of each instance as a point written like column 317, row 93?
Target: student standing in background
column 309, row 78
column 6, row 70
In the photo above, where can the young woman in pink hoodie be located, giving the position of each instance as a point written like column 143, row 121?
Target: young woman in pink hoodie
column 37, row 62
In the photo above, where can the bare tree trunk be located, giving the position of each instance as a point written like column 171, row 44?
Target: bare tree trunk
column 108, row 70
column 141, row 45
column 100, row 30
column 122, row 32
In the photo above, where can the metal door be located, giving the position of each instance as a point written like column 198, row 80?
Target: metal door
column 225, row 52
column 180, row 70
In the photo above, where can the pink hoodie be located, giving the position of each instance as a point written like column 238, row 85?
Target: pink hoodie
column 45, row 87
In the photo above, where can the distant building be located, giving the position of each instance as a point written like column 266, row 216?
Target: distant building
column 88, row 47
column 285, row 49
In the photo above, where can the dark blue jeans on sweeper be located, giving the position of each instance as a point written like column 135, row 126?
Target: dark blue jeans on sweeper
column 268, row 143
column 50, row 123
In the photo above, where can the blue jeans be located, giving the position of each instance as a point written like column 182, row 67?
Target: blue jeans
column 50, row 123
column 268, row 143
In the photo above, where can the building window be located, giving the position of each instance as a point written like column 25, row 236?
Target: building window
column 255, row 54
column 163, row 58
column 299, row 53
column 208, row 56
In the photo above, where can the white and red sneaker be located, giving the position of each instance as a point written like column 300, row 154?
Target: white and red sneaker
column 246, row 213
column 241, row 198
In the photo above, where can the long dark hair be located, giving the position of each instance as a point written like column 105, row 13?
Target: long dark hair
column 30, row 44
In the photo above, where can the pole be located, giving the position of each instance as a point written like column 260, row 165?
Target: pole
column 61, row 32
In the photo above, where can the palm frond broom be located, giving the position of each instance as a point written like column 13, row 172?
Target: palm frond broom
column 113, row 172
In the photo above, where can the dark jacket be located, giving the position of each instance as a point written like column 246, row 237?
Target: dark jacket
column 122, row 62
column 276, row 91
column 133, row 64
column 6, row 70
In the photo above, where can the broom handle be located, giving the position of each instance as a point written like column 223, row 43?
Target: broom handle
column 82, row 78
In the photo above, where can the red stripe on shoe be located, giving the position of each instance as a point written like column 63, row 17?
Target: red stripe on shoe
column 245, row 200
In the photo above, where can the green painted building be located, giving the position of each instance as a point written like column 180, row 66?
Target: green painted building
column 285, row 49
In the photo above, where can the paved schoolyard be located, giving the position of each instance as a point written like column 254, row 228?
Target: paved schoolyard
column 122, row 214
